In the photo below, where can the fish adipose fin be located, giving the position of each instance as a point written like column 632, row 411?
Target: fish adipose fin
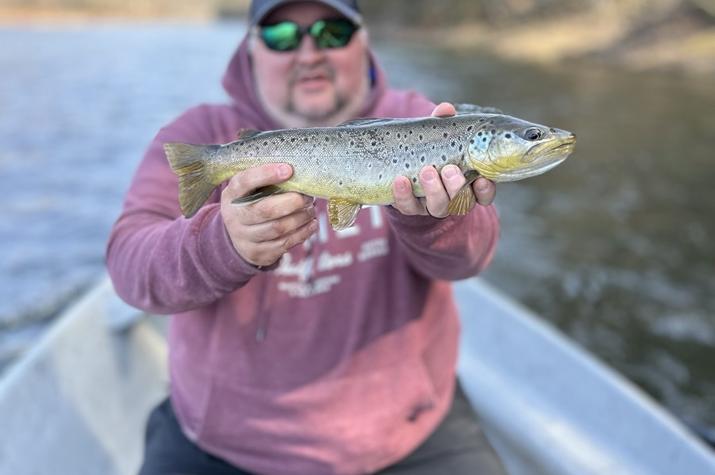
column 195, row 182
column 257, row 195
column 342, row 213
column 464, row 200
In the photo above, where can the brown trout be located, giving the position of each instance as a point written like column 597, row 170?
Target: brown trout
column 355, row 163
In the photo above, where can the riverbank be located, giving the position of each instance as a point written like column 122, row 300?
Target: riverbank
column 678, row 41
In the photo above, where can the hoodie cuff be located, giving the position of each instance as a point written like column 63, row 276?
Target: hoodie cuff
column 421, row 224
column 218, row 256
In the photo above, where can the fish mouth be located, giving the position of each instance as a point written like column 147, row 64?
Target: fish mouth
column 550, row 149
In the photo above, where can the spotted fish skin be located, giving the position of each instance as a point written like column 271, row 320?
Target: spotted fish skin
column 358, row 161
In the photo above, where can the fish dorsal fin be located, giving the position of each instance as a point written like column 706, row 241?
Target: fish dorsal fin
column 257, row 195
column 367, row 121
column 475, row 109
column 342, row 213
column 464, row 200
column 246, row 133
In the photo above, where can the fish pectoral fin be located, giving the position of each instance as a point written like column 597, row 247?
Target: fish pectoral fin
column 246, row 133
column 257, row 195
column 464, row 200
column 342, row 213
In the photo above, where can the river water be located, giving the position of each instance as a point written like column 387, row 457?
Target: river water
column 614, row 247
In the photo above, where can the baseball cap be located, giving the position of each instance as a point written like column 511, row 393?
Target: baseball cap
column 261, row 8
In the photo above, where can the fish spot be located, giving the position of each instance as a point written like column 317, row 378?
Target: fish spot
column 471, row 141
column 484, row 139
column 444, row 158
column 469, row 129
column 265, row 144
column 352, row 143
column 494, row 131
column 454, row 124
column 453, row 144
column 507, row 135
column 340, row 183
column 394, row 160
column 410, row 132
column 445, row 135
column 481, row 120
column 327, row 139
column 407, row 165
column 387, row 133
column 399, row 135
column 305, row 139
column 292, row 139
column 461, row 148
column 434, row 127
column 421, row 137
column 379, row 177
column 374, row 143
column 412, row 153
column 414, row 179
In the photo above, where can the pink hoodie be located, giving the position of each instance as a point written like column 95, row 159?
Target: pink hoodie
column 339, row 360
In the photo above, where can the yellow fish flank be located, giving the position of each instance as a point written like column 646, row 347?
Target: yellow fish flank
column 355, row 163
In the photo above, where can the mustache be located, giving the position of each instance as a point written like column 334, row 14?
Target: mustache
column 306, row 72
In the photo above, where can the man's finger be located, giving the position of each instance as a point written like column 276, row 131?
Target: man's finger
column 453, row 180
column 436, row 197
column 485, row 191
column 274, row 207
column 277, row 228
column 444, row 109
column 245, row 182
column 405, row 200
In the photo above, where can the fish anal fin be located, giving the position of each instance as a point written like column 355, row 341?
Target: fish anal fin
column 464, row 200
column 257, row 195
column 246, row 133
column 342, row 213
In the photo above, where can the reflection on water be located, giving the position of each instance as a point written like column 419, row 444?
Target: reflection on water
column 614, row 246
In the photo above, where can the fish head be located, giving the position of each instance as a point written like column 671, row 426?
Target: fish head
column 505, row 148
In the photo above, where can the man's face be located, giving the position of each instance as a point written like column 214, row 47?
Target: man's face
column 311, row 86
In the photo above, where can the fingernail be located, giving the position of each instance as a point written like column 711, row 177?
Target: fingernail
column 482, row 185
column 429, row 175
column 450, row 172
column 284, row 171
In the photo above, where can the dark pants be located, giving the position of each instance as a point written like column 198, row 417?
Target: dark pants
column 457, row 447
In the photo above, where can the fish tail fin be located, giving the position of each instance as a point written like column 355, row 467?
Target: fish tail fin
column 190, row 163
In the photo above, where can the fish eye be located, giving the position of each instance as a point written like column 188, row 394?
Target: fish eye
column 532, row 134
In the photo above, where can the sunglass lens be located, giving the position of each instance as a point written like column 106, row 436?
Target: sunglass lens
column 284, row 36
column 332, row 33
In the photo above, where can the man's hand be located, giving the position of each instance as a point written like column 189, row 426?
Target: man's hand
column 439, row 188
column 263, row 231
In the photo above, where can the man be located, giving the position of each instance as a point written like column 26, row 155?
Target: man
column 295, row 349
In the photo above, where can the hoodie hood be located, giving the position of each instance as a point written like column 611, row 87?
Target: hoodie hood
column 239, row 83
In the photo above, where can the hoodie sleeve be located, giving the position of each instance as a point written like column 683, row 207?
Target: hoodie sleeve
column 158, row 260
column 453, row 248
